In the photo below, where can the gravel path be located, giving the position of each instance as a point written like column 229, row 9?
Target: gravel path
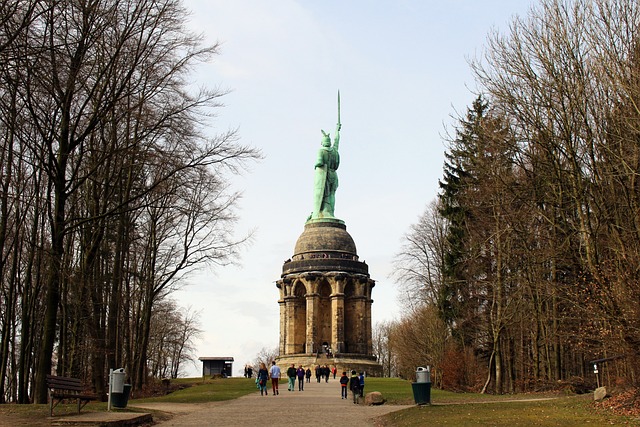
column 319, row 403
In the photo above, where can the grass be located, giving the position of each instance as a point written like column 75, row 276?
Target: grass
column 564, row 411
column 467, row 409
column 195, row 390
column 400, row 392
column 36, row 415
column 473, row 409
column 199, row 391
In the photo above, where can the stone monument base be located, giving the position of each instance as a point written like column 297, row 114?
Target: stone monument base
column 343, row 362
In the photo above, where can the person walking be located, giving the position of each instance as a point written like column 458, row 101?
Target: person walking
column 334, row 371
column 263, row 376
column 361, row 381
column 327, row 372
column 318, row 373
column 291, row 374
column 300, row 374
column 354, row 385
column 344, row 382
column 275, row 376
column 308, row 375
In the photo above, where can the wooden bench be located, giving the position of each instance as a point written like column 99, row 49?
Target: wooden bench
column 61, row 388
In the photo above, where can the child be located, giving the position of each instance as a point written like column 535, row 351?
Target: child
column 354, row 385
column 344, row 380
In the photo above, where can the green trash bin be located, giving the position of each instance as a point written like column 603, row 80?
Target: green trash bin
column 421, row 393
column 120, row 400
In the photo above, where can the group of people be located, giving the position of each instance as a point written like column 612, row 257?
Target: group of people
column 248, row 371
column 324, row 372
column 300, row 374
column 264, row 375
column 355, row 383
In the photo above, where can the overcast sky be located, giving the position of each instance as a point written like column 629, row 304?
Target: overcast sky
column 402, row 71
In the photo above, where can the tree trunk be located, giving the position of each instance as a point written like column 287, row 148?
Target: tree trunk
column 490, row 371
column 52, row 298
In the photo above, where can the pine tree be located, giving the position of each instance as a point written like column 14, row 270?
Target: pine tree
column 455, row 296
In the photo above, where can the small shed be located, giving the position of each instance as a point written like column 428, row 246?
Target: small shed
column 216, row 366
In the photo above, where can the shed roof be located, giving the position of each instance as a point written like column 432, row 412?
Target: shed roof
column 226, row 359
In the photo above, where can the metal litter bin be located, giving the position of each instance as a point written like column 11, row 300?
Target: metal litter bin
column 423, row 375
column 117, row 380
column 422, row 386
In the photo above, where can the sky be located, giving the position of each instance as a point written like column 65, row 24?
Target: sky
column 403, row 74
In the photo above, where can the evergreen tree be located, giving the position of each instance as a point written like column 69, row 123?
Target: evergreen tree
column 455, row 294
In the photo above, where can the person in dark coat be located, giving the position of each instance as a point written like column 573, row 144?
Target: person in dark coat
column 308, row 375
column 300, row 374
column 354, row 385
column 291, row 374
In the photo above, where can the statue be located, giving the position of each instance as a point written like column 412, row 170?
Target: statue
column 326, row 177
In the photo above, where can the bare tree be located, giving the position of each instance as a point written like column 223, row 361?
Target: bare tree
column 417, row 340
column 383, row 349
column 99, row 124
column 418, row 266
column 265, row 356
column 565, row 78
column 171, row 339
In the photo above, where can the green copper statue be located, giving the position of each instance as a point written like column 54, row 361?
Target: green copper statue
column 326, row 177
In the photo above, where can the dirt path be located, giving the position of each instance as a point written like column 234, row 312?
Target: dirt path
column 319, row 403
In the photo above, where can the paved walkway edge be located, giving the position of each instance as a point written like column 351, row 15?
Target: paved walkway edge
column 111, row 419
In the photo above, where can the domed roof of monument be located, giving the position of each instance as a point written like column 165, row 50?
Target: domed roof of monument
column 325, row 245
column 325, row 237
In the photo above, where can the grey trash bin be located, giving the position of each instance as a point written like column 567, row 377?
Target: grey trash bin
column 117, row 380
column 423, row 375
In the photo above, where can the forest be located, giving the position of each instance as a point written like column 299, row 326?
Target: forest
column 524, row 273
column 112, row 190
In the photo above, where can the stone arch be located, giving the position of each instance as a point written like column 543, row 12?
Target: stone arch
column 324, row 311
column 324, row 289
column 351, row 316
column 299, row 293
column 349, row 289
column 299, row 289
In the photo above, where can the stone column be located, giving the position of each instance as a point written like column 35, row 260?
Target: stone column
column 367, row 319
column 337, row 315
column 337, row 323
column 361, row 316
column 283, row 316
column 290, row 347
column 283, row 327
column 312, row 323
